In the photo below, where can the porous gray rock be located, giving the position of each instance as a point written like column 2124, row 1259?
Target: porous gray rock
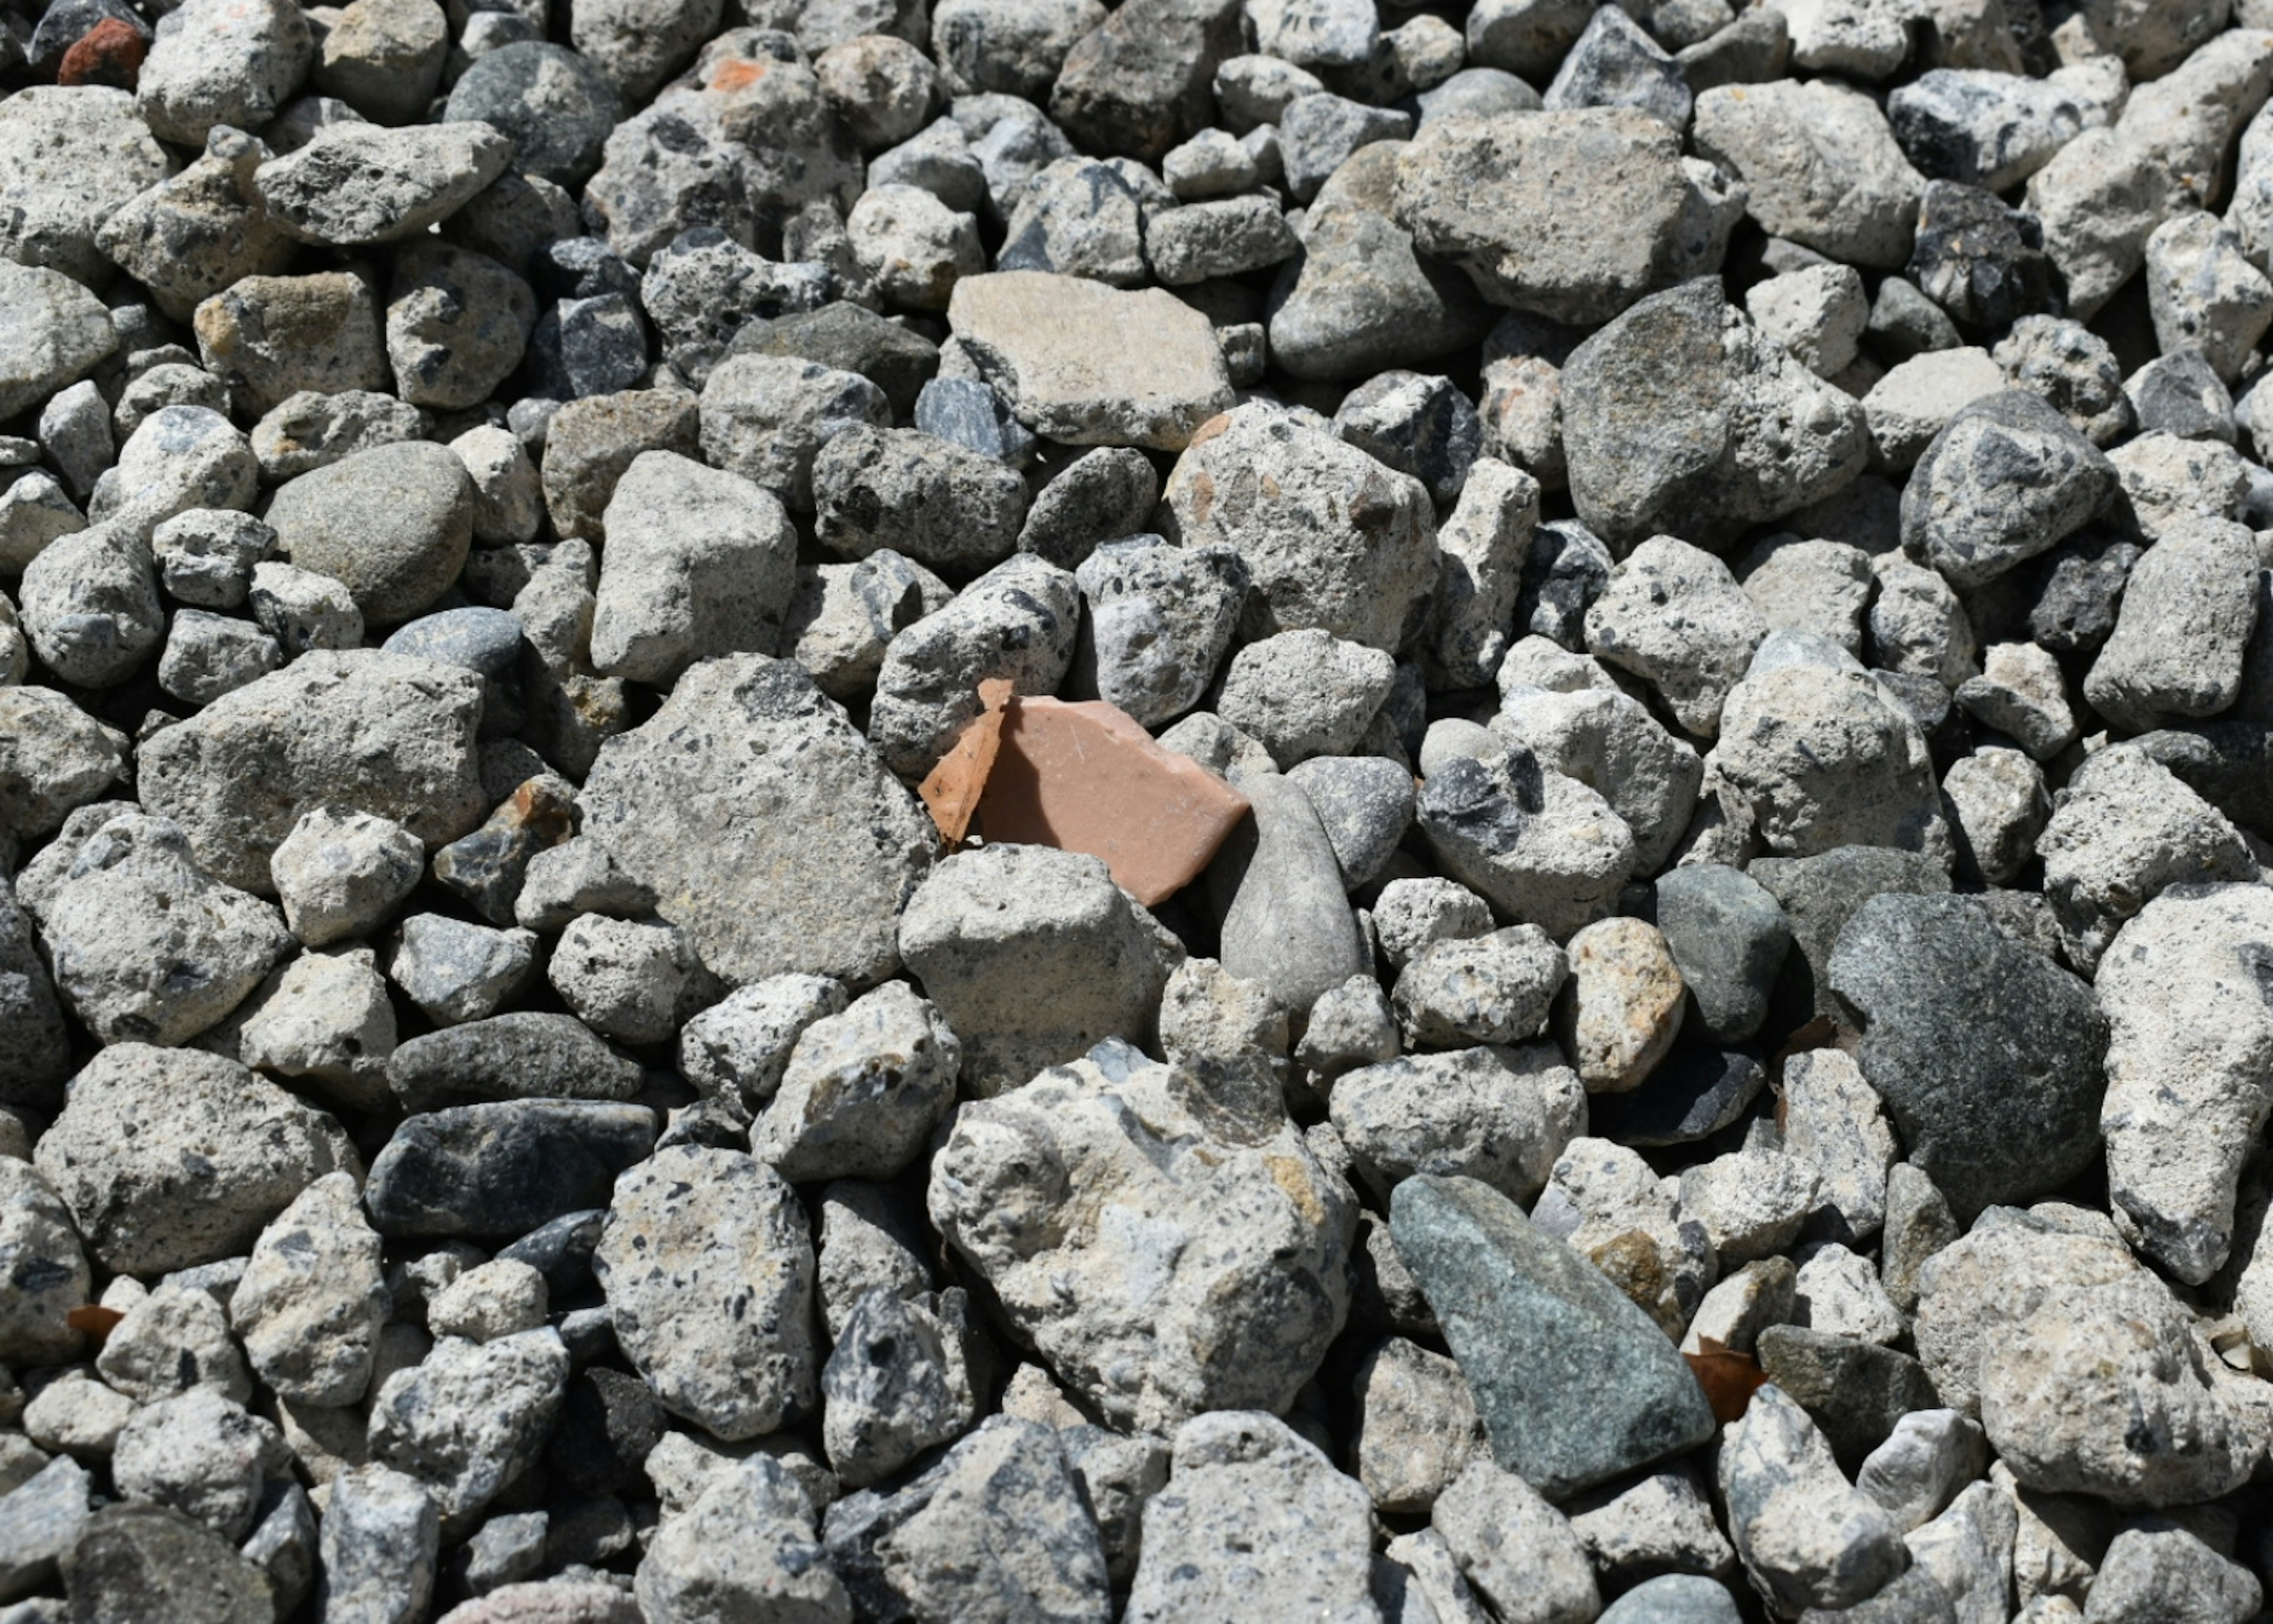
column 1539, row 846
column 470, row 1417
column 862, row 1091
column 811, row 873
column 1495, row 1114
column 1969, row 518
column 1054, row 1191
column 1820, row 164
column 313, row 1298
column 1160, row 619
column 74, row 154
column 358, row 184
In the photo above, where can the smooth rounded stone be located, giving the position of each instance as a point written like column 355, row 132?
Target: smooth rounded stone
column 1416, row 1425
column 390, row 735
column 90, row 609
column 1478, row 192
column 145, row 1561
column 883, row 88
column 767, row 418
column 1539, row 846
column 52, row 332
column 2189, row 609
column 1824, row 758
column 1820, row 164
column 1977, row 1044
column 323, row 522
column 1728, row 936
column 1535, row 1327
column 1495, row 1114
column 501, row 1170
column 937, row 502
column 72, row 156
column 168, row 1158
column 213, row 62
column 200, row 1454
column 1688, row 356
column 523, row 1055
column 1334, row 540
column 1036, row 954
column 1966, row 515
column 381, row 1539
column 861, row 1091
column 813, row 883
column 1366, row 804
column 2169, row 1573
column 1250, row 1237
column 471, row 1417
column 1674, row 1599
column 557, row 106
column 145, row 947
column 60, row 759
column 457, row 323
column 1018, row 622
column 2184, row 1101
column 1806, row 1537
column 76, row 1415
column 1287, row 924
column 361, row 185
column 700, row 562
column 1305, row 693
column 1625, row 1004
column 313, row 1298
column 551, row 1601
column 1691, row 1095
column 457, row 972
column 43, row 1256
column 2123, row 830
column 691, row 1209
column 339, row 874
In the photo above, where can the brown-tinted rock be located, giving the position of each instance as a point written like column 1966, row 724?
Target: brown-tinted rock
column 1085, row 777
column 110, row 53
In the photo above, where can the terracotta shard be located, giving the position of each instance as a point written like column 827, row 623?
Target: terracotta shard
column 1729, row 1378
column 1087, row 777
column 96, row 1320
column 951, row 791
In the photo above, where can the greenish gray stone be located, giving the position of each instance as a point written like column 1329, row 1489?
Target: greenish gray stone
column 1574, row 1382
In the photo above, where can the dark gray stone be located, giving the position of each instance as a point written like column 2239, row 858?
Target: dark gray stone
column 1145, row 80
column 1914, row 1596
column 1819, row 895
column 2074, row 613
column 850, row 339
column 139, row 1562
column 1565, row 571
column 1288, row 925
column 1418, row 424
column 1980, row 261
column 34, row 1041
column 2229, row 764
column 2006, row 479
column 561, row 1251
column 968, row 412
column 1989, row 1056
column 587, row 347
column 1102, row 496
column 1691, row 1095
column 499, row 1171
column 609, row 1422
column 947, row 505
column 487, row 641
column 1366, row 803
column 526, row 1055
column 1729, row 936
column 1359, row 297
column 559, row 106
column 1855, row 1390
column 1574, row 1382
column 2182, row 394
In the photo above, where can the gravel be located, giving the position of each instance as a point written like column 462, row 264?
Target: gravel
column 1705, row 1058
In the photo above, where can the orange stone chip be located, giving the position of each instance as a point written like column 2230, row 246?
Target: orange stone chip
column 1729, row 1378
column 1086, row 777
column 951, row 790
column 96, row 1320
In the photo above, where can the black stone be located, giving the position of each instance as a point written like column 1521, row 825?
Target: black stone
column 1693, row 1094
column 135, row 1563
column 528, row 1054
column 2074, row 609
column 1982, row 262
column 608, row 1423
column 1989, row 1057
column 1729, row 936
column 582, row 267
column 587, row 347
column 852, row 339
column 1563, row 574
column 1854, row 1390
column 1819, row 895
column 66, row 22
column 561, row 1251
column 498, row 1172
column 1101, row 495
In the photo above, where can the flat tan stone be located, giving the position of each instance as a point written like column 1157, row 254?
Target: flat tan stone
column 1085, row 777
column 1087, row 364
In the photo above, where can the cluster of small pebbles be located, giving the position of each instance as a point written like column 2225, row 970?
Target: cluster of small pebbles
column 1710, row 1063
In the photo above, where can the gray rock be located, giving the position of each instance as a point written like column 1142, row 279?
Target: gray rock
column 1100, row 495
column 54, row 333
column 1229, row 237
column 1485, row 543
column 555, row 105
column 1972, row 523
column 358, row 185
column 176, row 1341
column 200, row 1453
column 1692, row 1095
column 1517, row 1551
column 1160, row 619
column 1689, row 356
column 1539, row 846
column 872, row 1239
column 1334, row 540
column 1416, row 1425
column 90, row 605
column 747, row 1542
column 1820, row 164
column 2188, row 612
column 1229, row 1203
column 150, row 1561
column 381, row 1539
column 1729, row 936
column 312, row 1300
column 1305, row 693
column 766, row 417
column 322, row 523
column 457, row 325
column 42, row 1254
column 501, row 1170
column 842, row 616
column 169, row 1158
column 970, row 413
column 524, row 1055
column 1288, row 925
column 736, row 1049
column 1806, row 1537
column 708, row 1271
column 45, row 1514
column 1606, row 740
column 1037, row 954
column 1855, row 1390
column 632, row 980
column 1923, row 1463
column 834, row 818
column 1533, row 1326
column 1080, row 217
column 897, row 1384
column 1481, row 191
column 457, row 972
column 1366, row 804
column 1616, row 64
column 61, row 759
column 1916, row 970
column 861, row 1092
column 1495, row 1115
column 1674, row 1599
column 270, row 338
column 1359, row 297
column 1253, row 1518
column 2169, row 1573
column 999, row 1528
column 471, row 1417
column 1017, row 621
column 73, row 155
column 212, row 64
column 942, row 505
column 208, row 655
